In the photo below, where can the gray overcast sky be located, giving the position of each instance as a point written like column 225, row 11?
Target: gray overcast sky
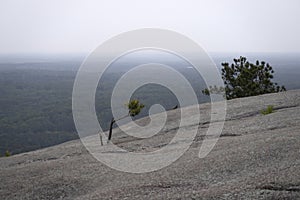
column 69, row 26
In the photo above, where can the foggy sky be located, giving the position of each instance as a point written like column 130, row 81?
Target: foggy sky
column 73, row 26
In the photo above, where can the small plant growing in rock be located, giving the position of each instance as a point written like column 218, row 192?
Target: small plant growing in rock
column 268, row 110
column 7, row 153
column 134, row 108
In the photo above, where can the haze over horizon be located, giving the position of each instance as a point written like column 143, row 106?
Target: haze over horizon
column 51, row 27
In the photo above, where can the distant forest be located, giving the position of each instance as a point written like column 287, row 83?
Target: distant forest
column 36, row 101
column 36, row 106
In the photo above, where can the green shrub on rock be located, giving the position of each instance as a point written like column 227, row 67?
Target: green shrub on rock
column 243, row 79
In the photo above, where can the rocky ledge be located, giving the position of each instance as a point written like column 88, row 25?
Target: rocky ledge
column 256, row 157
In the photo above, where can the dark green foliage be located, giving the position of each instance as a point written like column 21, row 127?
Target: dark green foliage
column 134, row 107
column 206, row 91
column 268, row 110
column 213, row 90
column 243, row 79
column 7, row 153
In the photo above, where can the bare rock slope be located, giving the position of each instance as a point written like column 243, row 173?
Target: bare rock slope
column 257, row 157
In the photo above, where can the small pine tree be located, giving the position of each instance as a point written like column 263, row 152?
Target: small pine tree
column 7, row 153
column 134, row 108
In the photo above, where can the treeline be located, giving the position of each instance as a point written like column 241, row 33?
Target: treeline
column 35, row 109
column 36, row 106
